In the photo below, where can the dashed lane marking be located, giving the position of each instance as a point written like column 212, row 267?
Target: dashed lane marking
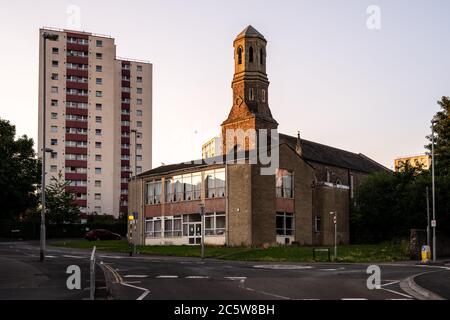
column 357, row 299
column 73, row 257
column 235, row 278
column 166, row 277
column 197, row 277
column 135, row 276
column 282, row 267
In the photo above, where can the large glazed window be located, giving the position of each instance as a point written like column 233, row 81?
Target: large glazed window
column 154, row 192
column 285, row 224
column 284, row 184
column 215, row 183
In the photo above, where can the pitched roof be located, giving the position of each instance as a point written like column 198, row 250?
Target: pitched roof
column 316, row 152
column 250, row 32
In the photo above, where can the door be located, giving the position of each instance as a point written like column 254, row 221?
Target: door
column 195, row 233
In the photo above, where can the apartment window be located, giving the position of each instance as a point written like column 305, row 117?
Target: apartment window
column 139, row 68
column 98, row 170
column 99, row 43
column 317, row 224
column 54, row 76
column 154, row 192
column 99, row 68
column 54, row 89
column 98, row 106
column 139, row 102
column 98, row 132
column 284, row 184
column 98, row 157
column 98, row 196
column 54, row 129
column 54, row 155
column 54, row 115
column 55, row 63
column 139, row 169
column 285, row 224
column 54, row 142
column 139, row 124
column 97, row 209
column 139, row 79
column 139, row 90
column 98, row 119
column 215, row 183
column 55, row 50
column 99, row 94
column 139, row 146
column 98, row 183
column 139, row 158
column 215, row 224
column 99, row 81
column 139, row 113
column 98, row 145
column 53, row 168
column 54, row 103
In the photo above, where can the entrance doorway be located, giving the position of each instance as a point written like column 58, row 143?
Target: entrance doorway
column 195, row 233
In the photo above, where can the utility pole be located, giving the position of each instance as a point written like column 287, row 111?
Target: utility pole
column 53, row 37
column 433, row 223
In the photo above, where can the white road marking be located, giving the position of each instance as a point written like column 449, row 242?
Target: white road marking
column 358, row 299
column 143, row 295
column 112, row 257
column 390, row 283
column 135, row 276
column 51, row 257
column 235, row 278
column 166, row 277
column 197, row 277
column 329, row 269
column 396, row 292
column 73, row 257
column 282, row 267
column 269, row 294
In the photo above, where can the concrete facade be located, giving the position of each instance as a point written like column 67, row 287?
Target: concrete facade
column 87, row 102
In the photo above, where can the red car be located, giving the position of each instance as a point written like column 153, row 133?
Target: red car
column 102, row 234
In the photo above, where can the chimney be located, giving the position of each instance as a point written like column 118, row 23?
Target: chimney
column 298, row 147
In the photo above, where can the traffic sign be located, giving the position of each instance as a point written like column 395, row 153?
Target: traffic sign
column 433, row 223
column 334, row 219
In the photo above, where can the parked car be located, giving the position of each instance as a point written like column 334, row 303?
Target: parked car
column 102, row 234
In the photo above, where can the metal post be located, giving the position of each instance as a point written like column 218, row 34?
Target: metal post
column 92, row 274
column 44, row 123
column 433, row 191
column 202, row 215
column 135, row 185
column 335, row 238
column 428, row 217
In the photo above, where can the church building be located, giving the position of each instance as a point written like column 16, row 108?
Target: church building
column 308, row 192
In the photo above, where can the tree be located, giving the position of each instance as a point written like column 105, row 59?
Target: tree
column 19, row 173
column 60, row 202
column 442, row 138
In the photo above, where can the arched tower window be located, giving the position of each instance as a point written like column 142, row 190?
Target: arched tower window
column 250, row 59
column 261, row 56
column 239, row 53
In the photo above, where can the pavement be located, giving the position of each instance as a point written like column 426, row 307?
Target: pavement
column 174, row 278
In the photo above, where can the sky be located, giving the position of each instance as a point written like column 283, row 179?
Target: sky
column 357, row 79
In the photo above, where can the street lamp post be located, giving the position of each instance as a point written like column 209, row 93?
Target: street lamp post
column 52, row 37
column 135, row 186
column 433, row 225
column 202, row 215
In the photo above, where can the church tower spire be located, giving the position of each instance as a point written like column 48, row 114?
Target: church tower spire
column 250, row 86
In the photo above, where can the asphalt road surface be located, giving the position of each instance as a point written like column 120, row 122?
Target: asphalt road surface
column 170, row 278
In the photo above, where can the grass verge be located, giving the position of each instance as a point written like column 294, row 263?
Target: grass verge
column 384, row 252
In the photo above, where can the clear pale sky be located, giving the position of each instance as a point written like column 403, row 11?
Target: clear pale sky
column 339, row 83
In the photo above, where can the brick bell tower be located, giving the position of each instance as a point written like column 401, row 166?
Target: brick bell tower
column 250, row 86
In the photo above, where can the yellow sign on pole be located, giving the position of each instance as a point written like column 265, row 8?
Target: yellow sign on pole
column 131, row 217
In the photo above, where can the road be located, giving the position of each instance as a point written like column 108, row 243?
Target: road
column 171, row 278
